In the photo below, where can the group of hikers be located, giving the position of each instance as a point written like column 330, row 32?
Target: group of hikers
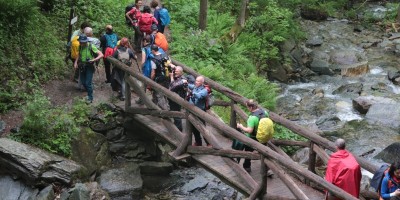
column 149, row 24
column 87, row 50
column 344, row 172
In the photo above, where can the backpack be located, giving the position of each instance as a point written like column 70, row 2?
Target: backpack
column 161, row 41
column 376, row 180
column 265, row 129
column 75, row 47
column 127, row 9
column 145, row 22
column 162, row 62
column 210, row 97
column 124, row 57
column 164, row 17
column 111, row 40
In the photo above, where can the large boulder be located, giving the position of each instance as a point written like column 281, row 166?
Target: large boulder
column 321, row 67
column 352, row 89
column 15, row 189
column 390, row 153
column 356, row 69
column 363, row 103
column 156, row 168
column 122, row 183
column 378, row 113
column 90, row 149
column 36, row 166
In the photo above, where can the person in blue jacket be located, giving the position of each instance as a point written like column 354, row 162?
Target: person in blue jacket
column 198, row 95
column 390, row 188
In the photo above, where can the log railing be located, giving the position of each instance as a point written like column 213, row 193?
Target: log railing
column 274, row 158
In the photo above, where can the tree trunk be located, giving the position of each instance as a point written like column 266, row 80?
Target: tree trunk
column 203, row 15
column 242, row 14
column 398, row 15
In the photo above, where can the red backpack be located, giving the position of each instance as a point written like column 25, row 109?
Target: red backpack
column 145, row 22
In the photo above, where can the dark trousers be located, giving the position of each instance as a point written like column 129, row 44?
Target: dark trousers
column 197, row 136
column 137, row 39
column 247, row 162
column 176, row 107
column 107, row 68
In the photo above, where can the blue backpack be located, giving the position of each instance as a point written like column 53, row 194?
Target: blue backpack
column 112, row 40
column 164, row 16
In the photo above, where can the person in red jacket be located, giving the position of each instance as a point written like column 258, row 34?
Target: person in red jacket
column 343, row 171
column 146, row 20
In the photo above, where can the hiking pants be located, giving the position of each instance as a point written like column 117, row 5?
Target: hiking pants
column 107, row 68
column 247, row 162
column 176, row 107
column 86, row 77
column 197, row 135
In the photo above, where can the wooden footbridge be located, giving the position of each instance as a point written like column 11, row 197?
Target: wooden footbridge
column 291, row 180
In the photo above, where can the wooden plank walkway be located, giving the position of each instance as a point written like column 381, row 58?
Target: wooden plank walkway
column 222, row 167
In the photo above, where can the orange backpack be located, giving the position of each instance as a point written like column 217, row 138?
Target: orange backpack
column 161, row 41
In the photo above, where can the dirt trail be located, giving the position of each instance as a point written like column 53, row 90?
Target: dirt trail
column 63, row 92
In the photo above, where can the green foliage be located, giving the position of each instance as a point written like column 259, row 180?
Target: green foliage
column 50, row 128
column 205, row 52
column 270, row 25
column 31, row 46
column 283, row 133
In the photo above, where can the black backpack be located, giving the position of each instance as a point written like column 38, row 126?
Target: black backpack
column 376, row 180
column 127, row 9
column 161, row 68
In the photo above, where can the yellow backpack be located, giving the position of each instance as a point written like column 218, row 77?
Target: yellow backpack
column 265, row 130
column 75, row 47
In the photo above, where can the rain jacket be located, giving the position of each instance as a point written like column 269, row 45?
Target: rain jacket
column 344, row 172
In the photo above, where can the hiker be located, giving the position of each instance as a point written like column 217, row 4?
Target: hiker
column 158, row 75
column 178, row 85
column 74, row 48
column 133, row 16
column 85, row 64
column 343, row 171
column 251, row 129
column 89, row 33
column 390, row 187
column 124, row 54
column 156, row 13
column 158, row 38
column 108, row 43
column 146, row 20
column 197, row 97
column 81, row 30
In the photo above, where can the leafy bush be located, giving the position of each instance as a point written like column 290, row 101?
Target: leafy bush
column 49, row 128
column 283, row 133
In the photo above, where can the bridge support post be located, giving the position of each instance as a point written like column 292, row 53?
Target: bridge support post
column 311, row 160
column 128, row 96
column 187, row 138
column 232, row 121
column 261, row 188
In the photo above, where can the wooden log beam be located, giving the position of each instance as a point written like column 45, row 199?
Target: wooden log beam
column 287, row 180
column 157, row 113
column 186, row 140
column 229, row 153
column 307, row 133
column 241, row 173
column 233, row 133
column 369, row 194
column 232, row 121
column 201, row 127
column 290, row 143
column 222, row 103
column 258, row 191
column 278, row 150
column 141, row 93
column 240, row 112
column 312, row 158
column 128, row 95
column 321, row 153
